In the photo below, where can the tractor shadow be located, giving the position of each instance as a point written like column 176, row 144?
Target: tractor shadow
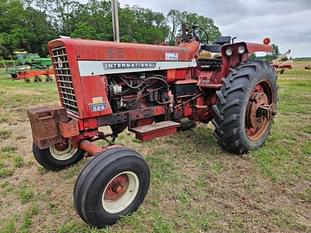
column 201, row 139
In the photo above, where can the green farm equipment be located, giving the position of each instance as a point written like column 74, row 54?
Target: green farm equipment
column 32, row 59
column 29, row 65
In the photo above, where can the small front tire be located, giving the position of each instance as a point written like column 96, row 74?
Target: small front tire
column 110, row 186
column 57, row 157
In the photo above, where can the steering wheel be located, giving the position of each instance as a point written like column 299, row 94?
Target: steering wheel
column 194, row 33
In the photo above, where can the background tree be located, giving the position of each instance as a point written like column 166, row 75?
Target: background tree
column 30, row 24
column 142, row 25
column 275, row 51
column 176, row 18
column 23, row 27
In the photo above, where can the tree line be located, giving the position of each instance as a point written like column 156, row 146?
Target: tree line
column 30, row 24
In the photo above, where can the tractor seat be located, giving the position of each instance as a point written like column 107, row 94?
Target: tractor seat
column 215, row 48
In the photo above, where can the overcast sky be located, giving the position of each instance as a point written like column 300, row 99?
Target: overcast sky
column 286, row 22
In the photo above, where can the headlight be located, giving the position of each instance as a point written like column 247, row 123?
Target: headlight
column 229, row 52
column 241, row 49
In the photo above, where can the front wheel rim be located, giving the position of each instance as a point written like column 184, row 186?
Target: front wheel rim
column 120, row 192
column 63, row 151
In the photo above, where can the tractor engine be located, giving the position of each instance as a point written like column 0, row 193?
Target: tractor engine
column 133, row 91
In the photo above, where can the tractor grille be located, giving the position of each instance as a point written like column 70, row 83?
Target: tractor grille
column 64, row 79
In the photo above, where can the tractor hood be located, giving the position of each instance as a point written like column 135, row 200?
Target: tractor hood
column 113, row 51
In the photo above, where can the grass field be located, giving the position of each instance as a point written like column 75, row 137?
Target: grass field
column 195, row 186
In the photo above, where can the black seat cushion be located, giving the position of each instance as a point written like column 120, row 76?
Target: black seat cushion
column 214, row 48
column 223, row 40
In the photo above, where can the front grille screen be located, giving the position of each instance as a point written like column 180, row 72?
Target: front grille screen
column 64, row 79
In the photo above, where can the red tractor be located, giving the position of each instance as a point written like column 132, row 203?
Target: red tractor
column 152, row 91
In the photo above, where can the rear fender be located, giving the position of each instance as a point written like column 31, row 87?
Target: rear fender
column 254, row 47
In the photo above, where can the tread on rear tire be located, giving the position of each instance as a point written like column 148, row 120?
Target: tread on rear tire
column 232, row 103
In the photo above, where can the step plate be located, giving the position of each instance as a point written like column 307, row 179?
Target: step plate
column 160, row 129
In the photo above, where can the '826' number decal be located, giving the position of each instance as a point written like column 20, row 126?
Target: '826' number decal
column 98, row 107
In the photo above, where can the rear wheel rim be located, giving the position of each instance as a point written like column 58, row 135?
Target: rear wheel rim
column 260, row 111
column 120, row 192
column 63, row 151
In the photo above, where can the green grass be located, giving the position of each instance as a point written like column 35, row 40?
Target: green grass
column 161, row 225
column 195, row 186
column 21, row 223
column 9, row 161
column 18, row 162
column 27, row 218
column 286, row 221
column 9, row 149
column 305, row 195
column 9, row 226
column 17, row 96
column 285, row 156
column 5, row 172
column 26, row 194
column 5, row 134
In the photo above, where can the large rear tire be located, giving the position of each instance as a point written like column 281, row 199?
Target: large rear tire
column 57, row 157
column 111, row 185
column 246, row 105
